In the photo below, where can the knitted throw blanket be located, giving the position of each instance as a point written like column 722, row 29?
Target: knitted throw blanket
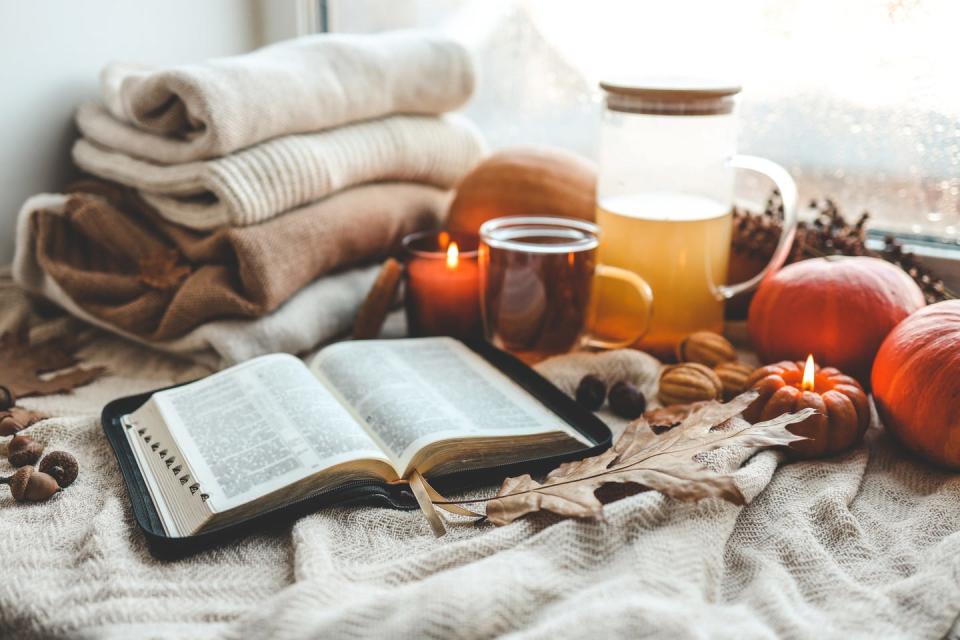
column 263, row 181
column 331, row 302
column 104, row 254
column 213, row 108
column 865, row 545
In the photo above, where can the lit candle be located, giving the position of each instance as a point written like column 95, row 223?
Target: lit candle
column 443, row 285
column 843, row 411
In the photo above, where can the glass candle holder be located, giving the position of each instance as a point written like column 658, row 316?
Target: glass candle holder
column 442, row 293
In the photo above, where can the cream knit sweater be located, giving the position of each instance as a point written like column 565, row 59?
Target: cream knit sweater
column 265, row 180
column 213, row 108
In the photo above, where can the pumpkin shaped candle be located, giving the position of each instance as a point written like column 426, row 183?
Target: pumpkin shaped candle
column 841, row 403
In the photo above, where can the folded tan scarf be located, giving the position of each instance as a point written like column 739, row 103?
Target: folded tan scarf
column 213, row 108
column 121, row 263
column 270, row 178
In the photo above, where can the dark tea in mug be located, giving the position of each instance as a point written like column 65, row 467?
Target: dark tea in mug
column 536, row 281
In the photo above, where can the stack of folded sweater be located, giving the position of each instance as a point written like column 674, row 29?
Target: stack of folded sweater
column 240, row 202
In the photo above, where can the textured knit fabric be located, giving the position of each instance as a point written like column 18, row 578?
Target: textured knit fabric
column 261, row 182
column 864, row 545
column 213, row 108
column 330, row 304
column 95, row 251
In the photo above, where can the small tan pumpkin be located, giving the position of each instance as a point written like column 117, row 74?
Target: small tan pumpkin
column 529, row 181
column 841, row 403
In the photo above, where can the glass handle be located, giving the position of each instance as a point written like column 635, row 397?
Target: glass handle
column 644, row 292
column 788, row 195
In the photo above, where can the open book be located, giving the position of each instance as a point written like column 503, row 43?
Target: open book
column 271, row 431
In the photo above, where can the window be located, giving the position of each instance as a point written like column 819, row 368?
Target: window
column 858, row 99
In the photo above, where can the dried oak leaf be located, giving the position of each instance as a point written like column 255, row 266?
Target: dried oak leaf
column 665, row 418
column 25, row 417
column 161, row 270
column 664, row 463
column 22, row 364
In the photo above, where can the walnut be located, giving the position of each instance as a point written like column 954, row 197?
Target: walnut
column 734, row 376
column 706, row 347
column 689, row 382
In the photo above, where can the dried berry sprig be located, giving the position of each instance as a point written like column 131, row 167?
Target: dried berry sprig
column 756, row 236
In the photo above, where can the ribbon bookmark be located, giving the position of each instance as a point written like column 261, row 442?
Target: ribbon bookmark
column 419, row 487
column 427, row 496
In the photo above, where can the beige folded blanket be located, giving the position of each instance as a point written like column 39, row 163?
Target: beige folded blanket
column 213, row 108
column 261, row 182
column 144, row 276
column 320, row 312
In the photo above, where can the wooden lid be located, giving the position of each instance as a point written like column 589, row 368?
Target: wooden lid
column 670, row 95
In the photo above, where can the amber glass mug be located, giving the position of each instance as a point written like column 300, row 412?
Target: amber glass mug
column 536, row 286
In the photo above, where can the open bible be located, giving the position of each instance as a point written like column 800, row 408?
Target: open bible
column 272, row 431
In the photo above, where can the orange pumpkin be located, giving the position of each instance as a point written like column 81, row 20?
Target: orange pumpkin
column 542, row 181
column 839, row 309
column 916, row 383
column 841, row 403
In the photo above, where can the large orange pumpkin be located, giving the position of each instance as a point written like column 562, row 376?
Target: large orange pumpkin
column 540, row 181
column 839, row 309
column 916, row 383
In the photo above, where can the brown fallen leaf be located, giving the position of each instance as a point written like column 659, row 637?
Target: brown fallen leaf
column 664, row 463
column 25, row 417
column 664, row 418
column 162, row 270
column 22, row 364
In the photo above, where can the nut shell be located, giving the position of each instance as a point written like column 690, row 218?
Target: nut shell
column 734, row 377
column 706, row 347
column 689, row 382
column 9, row 426
column 30, row 485
column 18, row 482
column 7, row 398
column 23, row 450
column 61, row 466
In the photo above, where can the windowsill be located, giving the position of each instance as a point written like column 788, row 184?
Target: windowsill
column 941, row 256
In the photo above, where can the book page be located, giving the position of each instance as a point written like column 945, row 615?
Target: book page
column 260, row 426
column 416, row 391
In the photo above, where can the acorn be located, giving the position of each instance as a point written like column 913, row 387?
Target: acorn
column 61, row 466
column 9, row 426
column 30, row 485
column 23, row 450
column 7, row 398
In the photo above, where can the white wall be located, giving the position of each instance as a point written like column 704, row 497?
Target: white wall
column 51, row 52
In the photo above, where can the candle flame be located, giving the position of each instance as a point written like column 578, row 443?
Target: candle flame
column 808, row 370
column 453, row 255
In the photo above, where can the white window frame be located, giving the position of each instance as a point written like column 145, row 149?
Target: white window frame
column 313, row 16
